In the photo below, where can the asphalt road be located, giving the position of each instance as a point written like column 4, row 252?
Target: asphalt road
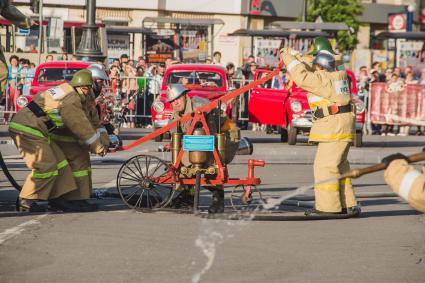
column 387, row 244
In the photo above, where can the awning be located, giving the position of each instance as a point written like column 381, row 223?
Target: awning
column 278, row 33
column 182, row 21
column 125, row 29
column 406, row 35
column 310, row 25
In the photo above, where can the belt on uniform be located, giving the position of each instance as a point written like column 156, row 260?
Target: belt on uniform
column 40, row 113
column 333, row 110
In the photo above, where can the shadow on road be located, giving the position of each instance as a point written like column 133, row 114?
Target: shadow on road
column 393, row 144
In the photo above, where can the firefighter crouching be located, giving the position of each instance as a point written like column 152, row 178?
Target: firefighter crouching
column 182, row 104
column 405, row 181
column 52, row 178
column 333, row 126
column 77, row 153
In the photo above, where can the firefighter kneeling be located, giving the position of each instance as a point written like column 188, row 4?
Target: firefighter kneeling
column 52, row 177
column 333, row 127
column 182, row 105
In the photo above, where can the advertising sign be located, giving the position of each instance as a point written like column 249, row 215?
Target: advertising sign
column 267, row 51
column 160, row 46
column 397, row 22
column 397, row 106
column 118, row 44
column 194, row 45
column 410, row 53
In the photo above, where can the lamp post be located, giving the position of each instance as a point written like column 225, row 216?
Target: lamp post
column 409, row 19
column 89, row 49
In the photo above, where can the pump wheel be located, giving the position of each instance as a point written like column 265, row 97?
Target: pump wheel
column 241, row 200
column 146, row 183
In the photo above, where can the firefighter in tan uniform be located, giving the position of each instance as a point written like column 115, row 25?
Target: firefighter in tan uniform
column 11, row 13
column 182, row 105
column 333, row 127
column 405, row 181
column 52, row 177
column 78, row 154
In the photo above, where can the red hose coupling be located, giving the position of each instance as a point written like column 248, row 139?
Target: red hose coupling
column 251, row 165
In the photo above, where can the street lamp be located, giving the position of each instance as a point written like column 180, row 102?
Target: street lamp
column 89, row 49
column 409, row 20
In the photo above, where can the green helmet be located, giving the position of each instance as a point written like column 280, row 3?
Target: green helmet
column 82, row 78
column 321, row 44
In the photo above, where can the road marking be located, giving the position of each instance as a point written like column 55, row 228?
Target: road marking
column 15, row 231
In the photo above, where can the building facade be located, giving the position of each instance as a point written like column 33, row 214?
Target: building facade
column 186, row 29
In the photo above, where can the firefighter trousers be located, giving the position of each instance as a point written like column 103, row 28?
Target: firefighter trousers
column 78, row 157
column 331, row 194
column 51, row 175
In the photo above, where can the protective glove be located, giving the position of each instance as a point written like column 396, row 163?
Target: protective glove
column 387, row 160
column 286, row 50
column 164, row 148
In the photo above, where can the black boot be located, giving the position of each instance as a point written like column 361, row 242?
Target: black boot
column 217, row 205
column 354, row 211
column 31, row 205
column 86, row 206
column 59, row 204
column 183, row 200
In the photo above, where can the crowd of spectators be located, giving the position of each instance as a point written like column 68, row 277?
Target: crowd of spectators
column 139, row 83
column 396, row 80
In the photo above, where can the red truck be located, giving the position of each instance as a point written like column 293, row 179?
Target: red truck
column 207, row 81
column 50, row 74
column 272, row 104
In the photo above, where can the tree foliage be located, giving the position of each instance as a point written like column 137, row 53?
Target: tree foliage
column 338, row 11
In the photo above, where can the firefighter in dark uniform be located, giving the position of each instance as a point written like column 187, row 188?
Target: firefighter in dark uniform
column 182, row 104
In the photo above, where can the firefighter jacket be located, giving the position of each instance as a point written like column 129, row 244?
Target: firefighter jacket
column 88, row 106
column 64, row 107
column 324, row 89
column 407, row 182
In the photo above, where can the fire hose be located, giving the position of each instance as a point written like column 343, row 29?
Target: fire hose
column 8, row 175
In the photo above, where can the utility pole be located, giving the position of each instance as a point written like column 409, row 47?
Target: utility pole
column 40, row 29
column 89, row 49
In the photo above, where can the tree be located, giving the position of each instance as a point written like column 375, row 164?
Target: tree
column 338, row 11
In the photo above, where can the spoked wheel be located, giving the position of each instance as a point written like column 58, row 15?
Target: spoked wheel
column 146, row 183
column 241, row 200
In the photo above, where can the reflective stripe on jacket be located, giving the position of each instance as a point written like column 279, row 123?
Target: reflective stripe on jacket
column 407, row 182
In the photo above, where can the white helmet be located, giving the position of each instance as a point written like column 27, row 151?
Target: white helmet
column 98, row 72
column 174, row 91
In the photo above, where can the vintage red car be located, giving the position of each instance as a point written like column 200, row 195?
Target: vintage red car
column 207, row 81
column 273, row 104
column 50, row 74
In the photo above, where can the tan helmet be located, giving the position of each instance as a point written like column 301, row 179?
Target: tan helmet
column 82, row 78
column 174, row 91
